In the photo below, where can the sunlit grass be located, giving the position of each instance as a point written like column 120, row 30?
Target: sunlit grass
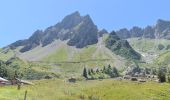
column 88, row 90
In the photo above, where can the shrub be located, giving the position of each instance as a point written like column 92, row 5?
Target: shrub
column 168, row 47
column 161, row 47
column 161, row 75
column 168, row 79
column 85, row 72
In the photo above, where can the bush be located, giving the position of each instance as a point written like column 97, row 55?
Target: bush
column 161, row 47
column 168, row 79
column 161, row 76
column 85, row 72
column 168, row 47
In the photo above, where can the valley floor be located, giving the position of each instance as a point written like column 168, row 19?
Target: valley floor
column 108, row 89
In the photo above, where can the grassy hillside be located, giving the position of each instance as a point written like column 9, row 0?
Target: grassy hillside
column 69, row 60
column 164, row 59
column 6, row 54
column 148, row 48
column 16, row 67
column 121, row 47
column 88, row 90
column 148, row 45
column 72, row 60
column 71, row 54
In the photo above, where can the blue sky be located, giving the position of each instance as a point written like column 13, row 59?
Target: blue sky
column 20, row 18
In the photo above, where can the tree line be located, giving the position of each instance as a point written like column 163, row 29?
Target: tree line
column 105, row 72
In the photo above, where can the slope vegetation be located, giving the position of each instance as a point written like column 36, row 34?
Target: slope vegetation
column 150, row 48
column 69, row 59
column 121, row 47
column 164, row 59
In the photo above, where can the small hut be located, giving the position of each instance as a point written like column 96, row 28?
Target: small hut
column 134, row 79
column 72, row 80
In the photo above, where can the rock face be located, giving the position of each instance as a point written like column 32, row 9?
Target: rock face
column 149, row 32
column 136, row 32
column 124, row 33
column 121, row 47
column 80, row 31
column 160, row 30
column 101, row 32
column 84, row 34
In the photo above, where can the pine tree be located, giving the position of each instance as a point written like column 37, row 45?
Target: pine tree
column 85, row 72
column 97, row 71
column 109, row 70
column 115, row 71
column 161, row 76
column 168, row 79
column 104, row 70
column 92, row 71
column 89, row 72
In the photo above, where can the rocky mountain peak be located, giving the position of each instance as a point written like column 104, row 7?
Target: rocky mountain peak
column 71, row 20
column 123, row 33
column 160, row 30
column 86, row 33
column 79, row 30
column 101, row 32
column 161, row 21
column 87, row 18
column 161, row 25
column 88, row 21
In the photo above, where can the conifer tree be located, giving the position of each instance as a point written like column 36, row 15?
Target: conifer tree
column 161, row 75
column 92, row 71
column 97, row 71
column 115, row 71
column 109, row 70
column 89, row 72
column 104, row 69
column 85, row 72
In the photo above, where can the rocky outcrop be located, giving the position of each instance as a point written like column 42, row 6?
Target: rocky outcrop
column 124, row 33
column 160, row 30
column 85, row 34
column 102, row 32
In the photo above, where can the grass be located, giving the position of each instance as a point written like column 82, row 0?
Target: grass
column 60, row 55
column 149, row 48
column 108, row 89
column 164, row 58
column 7, row 55
column 148, row 45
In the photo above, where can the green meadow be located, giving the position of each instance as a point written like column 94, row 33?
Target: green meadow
column 108, row 89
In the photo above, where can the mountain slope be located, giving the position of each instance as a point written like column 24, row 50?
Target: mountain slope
column 5, row 54
column 150, row 48
column 121, row 47
column 164, row 59
column 60, row 52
